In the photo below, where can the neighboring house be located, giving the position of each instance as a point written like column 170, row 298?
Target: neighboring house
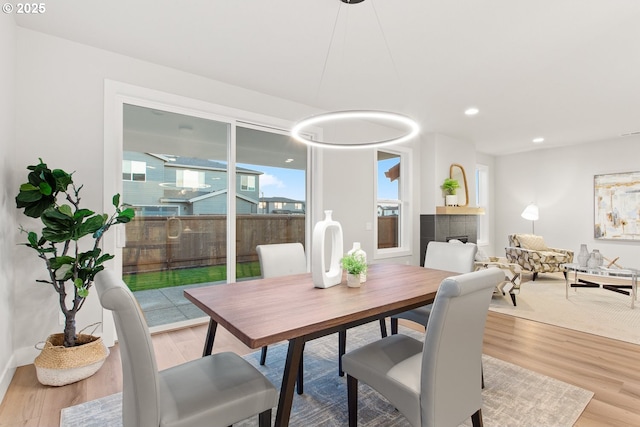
column 387, row 210
column 281, row 205
column 162, row 185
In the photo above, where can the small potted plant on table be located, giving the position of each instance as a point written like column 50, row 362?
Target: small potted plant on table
column 354, row 264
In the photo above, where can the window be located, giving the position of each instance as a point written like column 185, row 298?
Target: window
column 482, row 196
column 133, row 170
column 392, row 192
column 186, row 178
column 248, row 183
column 278, row 205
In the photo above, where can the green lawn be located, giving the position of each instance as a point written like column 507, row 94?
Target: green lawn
column 188, row 276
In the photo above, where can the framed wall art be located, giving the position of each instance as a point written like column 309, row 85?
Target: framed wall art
column 617, row 206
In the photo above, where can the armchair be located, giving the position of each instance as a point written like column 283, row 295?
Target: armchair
column 532, row 254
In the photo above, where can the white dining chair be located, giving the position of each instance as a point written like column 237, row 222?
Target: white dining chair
column 454, row 257
column 216, row 390
column 438, row 383
column 277, row 260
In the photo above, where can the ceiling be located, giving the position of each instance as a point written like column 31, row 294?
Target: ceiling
column 565, row 70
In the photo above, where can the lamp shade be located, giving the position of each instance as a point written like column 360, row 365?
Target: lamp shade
column 531, row 212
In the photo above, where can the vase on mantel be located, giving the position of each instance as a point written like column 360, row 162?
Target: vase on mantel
column 583, row 255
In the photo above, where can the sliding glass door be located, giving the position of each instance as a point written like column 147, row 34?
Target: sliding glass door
column 186, row 177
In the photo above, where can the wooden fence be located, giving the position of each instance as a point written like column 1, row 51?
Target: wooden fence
column 160, row 243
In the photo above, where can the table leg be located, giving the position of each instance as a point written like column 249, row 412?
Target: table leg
column 211, row 335
column 294, row 355
column 342, row 348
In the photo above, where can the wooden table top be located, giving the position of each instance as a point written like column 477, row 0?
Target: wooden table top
column 265, row 311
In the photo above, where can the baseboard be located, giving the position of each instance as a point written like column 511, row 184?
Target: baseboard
column 6, row 377
column 25, row 355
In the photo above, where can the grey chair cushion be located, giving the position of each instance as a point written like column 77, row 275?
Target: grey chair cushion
column 456, row 257
column 220, row 389
column 373, row 365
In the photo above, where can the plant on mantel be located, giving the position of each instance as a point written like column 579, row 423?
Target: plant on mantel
column 450, row 186
column 70, row 270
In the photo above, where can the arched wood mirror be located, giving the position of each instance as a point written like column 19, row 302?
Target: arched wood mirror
column 456, row 172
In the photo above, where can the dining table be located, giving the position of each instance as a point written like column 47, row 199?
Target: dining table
column 290, row 308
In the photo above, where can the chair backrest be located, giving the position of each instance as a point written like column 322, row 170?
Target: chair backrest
column 451, row 382
column 456, row 257
column 281, row 259
column 140, row 392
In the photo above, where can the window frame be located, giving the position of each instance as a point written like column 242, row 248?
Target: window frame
column 483, row 195
column 405, row 219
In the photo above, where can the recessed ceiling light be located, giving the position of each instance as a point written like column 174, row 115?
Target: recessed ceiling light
column 471, row 111
column 288, row 161
column 538, row 140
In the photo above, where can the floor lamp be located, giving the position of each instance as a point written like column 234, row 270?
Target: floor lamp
column 531, row 213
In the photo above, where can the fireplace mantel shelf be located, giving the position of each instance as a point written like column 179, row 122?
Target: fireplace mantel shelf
column 459, row 210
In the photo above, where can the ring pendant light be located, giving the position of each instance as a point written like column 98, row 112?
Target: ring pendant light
column 300, row 130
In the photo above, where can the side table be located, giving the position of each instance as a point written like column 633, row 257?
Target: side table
column 512, row 273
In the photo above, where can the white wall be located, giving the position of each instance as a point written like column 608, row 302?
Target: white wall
column 7, row 203
column 560, row 181
column 60, row 117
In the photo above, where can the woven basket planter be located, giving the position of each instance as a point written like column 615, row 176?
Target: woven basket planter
column 58, row 365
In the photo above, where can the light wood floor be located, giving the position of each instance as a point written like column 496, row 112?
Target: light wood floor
column 609, row 368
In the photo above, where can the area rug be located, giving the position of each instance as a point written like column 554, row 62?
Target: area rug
column 592, row 310
column 513, row 396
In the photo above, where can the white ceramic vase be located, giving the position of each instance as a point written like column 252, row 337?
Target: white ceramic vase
column 451, row 200
column 324, row 277
column 583, row 255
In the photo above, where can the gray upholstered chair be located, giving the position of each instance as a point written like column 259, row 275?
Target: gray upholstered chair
column 437, row 384
column 281, row 259
column 216, row 390
column 455, row 257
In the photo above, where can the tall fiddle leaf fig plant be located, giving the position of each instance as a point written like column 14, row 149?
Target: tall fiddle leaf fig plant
column 52, row 196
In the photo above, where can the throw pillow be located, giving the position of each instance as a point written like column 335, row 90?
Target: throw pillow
column 532, row 242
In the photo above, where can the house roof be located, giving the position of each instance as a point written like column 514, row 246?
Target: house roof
column 196, row 163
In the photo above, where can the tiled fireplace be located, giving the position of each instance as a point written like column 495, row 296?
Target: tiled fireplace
column 444, row 227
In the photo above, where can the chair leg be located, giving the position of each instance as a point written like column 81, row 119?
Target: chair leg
column 476, row 418
column 394, row 326
column 482, row 374
column 535, row 276
column 352, row 400
column 264, row 418
column 263, row 355
column 383, row 327
column 342, row 347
